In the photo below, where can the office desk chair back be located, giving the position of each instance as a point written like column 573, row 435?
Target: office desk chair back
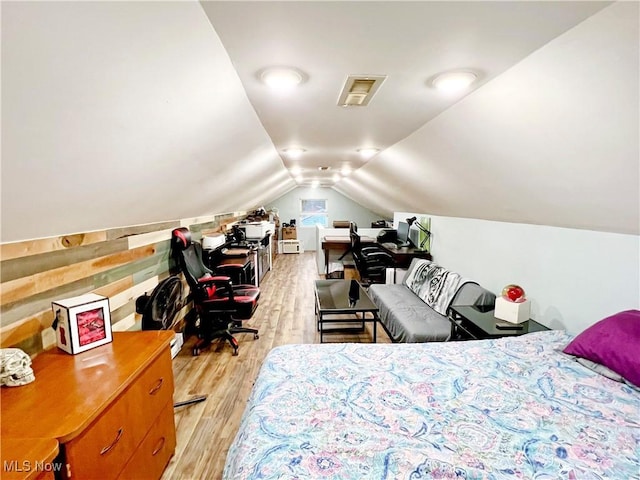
column 220, row 305
column 371, row 261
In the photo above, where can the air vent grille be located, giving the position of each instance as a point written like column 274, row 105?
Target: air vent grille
column 361, row 86
column 358, row 90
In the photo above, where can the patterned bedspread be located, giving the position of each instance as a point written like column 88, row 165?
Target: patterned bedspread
column 495, row 409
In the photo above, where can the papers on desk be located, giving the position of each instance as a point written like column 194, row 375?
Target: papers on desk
column 236, row 252
column 337, row 239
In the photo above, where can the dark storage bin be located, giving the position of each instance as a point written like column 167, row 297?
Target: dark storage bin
column 336, row 270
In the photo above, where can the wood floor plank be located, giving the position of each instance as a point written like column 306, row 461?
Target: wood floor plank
column 284, row 316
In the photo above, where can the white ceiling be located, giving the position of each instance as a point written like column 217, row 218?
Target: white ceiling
column 125, row 113
column 410, row 42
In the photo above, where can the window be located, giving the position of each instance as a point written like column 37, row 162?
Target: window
column 313, row 211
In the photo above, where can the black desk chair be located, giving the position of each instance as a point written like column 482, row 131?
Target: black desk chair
column 221, row 306
column 239, row 273
column 371, row 261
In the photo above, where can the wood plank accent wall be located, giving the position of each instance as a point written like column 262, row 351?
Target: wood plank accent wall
column 120, row 263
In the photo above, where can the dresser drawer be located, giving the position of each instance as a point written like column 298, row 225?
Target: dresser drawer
column 46, row 476
column 157, row 448
column 104, row 448
column 152, row 391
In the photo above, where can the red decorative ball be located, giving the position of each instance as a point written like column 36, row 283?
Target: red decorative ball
column 514, row 293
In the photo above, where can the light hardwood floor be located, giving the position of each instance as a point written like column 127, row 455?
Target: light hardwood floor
column 285, row 315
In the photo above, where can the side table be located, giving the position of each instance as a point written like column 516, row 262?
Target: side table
column 476, row 323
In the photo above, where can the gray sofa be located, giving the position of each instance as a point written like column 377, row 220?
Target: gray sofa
column 408, row 318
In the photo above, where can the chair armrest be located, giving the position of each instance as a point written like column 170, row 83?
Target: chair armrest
column 368, row 251
column 217, row 279
column 221, row 282
column 379, row 256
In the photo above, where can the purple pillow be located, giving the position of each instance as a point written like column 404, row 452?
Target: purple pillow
column 613, row 342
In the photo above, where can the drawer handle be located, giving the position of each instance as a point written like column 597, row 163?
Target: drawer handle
column 113, row 444
column 158, row 447
column 155, row 389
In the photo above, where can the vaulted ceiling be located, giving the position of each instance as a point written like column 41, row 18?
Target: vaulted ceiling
column 122, row 113
column 409, row 43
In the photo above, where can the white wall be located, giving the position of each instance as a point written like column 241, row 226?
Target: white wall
column 340, row 208
column 572, row 277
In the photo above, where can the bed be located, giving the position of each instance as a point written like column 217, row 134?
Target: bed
column 504, row 408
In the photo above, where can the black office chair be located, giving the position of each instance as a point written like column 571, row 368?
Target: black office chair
column 237, row 272
column 221, row 306
column 371, row 261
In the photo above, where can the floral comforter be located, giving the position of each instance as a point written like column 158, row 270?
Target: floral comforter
column 495, row 409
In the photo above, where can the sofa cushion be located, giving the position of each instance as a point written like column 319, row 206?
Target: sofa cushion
column 407, row 318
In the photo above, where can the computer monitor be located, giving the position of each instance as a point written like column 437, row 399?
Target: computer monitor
column 414, row 236
column 403, row 235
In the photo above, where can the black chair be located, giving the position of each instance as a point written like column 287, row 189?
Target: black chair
column 371, row 261
column 221, row 306
column 239, row 273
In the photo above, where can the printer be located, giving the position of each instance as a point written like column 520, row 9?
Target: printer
column 211, row 242
column 257, row 229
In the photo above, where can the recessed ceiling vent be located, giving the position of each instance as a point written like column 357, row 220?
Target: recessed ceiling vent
column 358, row 90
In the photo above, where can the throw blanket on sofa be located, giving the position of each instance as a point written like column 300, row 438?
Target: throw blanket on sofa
column 435, row 285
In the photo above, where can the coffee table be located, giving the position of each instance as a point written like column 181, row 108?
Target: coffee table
column 477, row 322
column 344, row 298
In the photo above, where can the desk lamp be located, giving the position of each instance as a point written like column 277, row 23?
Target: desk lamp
column 427, row 233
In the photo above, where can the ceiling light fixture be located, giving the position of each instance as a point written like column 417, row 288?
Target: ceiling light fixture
column 368, row 152
column 454, row 82
column 294, row 152
column 281, row 78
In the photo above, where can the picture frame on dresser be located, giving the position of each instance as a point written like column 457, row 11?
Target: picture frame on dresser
column 82, row 323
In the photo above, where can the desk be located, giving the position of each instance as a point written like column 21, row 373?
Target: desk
column 402, row 256
column 340, row 244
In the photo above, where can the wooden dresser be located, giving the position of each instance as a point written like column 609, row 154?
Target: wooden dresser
column 110, row 410
column 28, row 459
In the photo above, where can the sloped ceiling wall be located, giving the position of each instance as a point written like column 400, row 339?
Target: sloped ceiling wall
column 553, row 141
column 123, row 113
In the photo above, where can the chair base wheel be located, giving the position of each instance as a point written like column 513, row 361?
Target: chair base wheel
column 235, row 352
column 195, row 352
column 256, row 336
